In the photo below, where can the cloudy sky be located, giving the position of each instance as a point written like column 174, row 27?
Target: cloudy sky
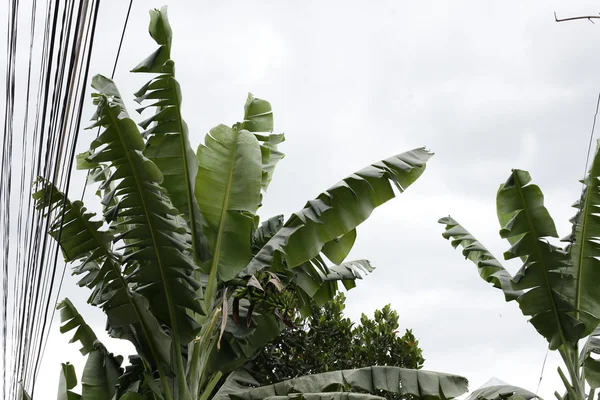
column 488, row 86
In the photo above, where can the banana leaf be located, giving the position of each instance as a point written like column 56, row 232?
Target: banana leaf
column 168, row 143
column 489, row 268
column 546, row 273
column 405, row 382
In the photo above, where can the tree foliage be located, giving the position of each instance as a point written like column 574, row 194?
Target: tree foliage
column 327, row 341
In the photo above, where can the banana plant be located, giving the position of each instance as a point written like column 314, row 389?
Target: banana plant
column 557, row 286
column 179, row 261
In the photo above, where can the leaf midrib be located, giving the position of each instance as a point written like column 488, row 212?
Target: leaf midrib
column 174, row 327
column 580, row 256
column 538, row 251
column 210, row 290
column 188, row 182
column 118, row 273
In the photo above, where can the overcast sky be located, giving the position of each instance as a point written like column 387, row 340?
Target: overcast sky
column 488, row 86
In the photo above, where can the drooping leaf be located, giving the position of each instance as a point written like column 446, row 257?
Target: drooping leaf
column 100, row 375
column 258, row 119
column 501, row 392
column 588, row 359
column 337, row 250
column 131, row 380
column 258, row 115
column 158, row 262
column 348, row 272
column 265, row 232
column 23, row 395
column 236, row 382
column 71, row 319
column 526, row 224
column 66, row 382
column 489, row 268
column 418, row 383
column 81, row 239
column 338, row 211
column 585, row 250
column 168, row 145
column 321, row 283
column 335, row 213
column 102, row 369
column 228, row 192
column 160, row 30
column 270, row 156
column 240, row 342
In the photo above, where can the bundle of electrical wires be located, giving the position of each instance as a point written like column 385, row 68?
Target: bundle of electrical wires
column 48, row 51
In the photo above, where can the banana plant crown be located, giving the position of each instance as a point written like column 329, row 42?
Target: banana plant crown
column 180, row 263
column 557, row 286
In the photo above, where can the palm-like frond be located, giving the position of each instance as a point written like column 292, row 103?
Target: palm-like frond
column 588, row 359
column 157, row 256
column 228, row 192
column 585, row 250
column 338, row 384
column 258, row 119
column 266, row 231
column 66, row 382
column 526, row 224
column 168, row 143
column 238, row 381
column 489, row 268
column 500, row 392
column 102, row 369
column 81, row 239
column 333, row 214
column 23, row 395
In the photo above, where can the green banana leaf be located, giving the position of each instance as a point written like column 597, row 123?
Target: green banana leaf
column 265, row 232
column 320, row 283
column 258, row 119
column 590, row 364
column 157, row 258
column 66, row 382
column 102, row 369
column 161, row 32
column 71, row 319
column 22, row 394
column 228, row 192
column 489, row 268
column 325, row 396
column 237, row 381
column 348, row 272
column 136, row 384
column 546, row 272
column 81, row 239
column 323, row 223
column 168, row 143
column 240, row 342
column 338, row 211
column 585, row 250
column 406, row 382
column 338, row 249
column 502, row 392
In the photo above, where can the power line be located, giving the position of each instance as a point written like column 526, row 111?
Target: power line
column 52, row 109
